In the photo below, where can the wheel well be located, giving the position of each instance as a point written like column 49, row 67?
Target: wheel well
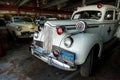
column 96, row 50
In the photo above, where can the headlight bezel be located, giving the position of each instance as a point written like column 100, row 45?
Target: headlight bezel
column 68, row 41
column 19, row 28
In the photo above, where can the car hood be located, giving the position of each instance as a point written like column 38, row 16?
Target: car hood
column 69, row 26
column 25, row 24
column 57, row 23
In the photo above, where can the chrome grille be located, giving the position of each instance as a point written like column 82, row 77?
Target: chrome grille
column 48, row 38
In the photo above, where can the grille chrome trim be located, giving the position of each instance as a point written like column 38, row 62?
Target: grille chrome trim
column 48, row 39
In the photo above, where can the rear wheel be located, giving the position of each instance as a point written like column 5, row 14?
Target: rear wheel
column 86, row 68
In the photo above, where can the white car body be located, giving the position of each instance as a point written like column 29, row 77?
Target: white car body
column 21, row 29
column 97, row 32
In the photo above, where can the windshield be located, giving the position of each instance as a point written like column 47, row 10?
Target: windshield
column 87, row 15
column 21, row 19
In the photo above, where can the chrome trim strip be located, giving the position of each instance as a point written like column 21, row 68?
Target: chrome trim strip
column 48, row 38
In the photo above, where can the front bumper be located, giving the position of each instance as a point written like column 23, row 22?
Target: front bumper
column 26, row 34
column 38, row 52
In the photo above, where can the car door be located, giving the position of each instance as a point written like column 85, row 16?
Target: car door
column 110, row 24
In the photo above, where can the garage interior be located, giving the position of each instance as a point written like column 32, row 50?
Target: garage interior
column 61, row 9
column 16, row 61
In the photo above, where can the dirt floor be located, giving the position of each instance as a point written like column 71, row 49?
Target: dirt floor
column 19, row 64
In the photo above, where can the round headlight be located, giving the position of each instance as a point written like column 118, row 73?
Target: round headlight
column 36, row 34
column 19, row 28
column 68, row 41
column 81, row 26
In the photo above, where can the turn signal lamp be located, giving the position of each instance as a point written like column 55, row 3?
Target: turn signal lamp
column 59, row 31
column 56, row 53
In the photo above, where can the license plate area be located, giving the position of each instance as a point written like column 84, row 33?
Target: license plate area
column 67, row 57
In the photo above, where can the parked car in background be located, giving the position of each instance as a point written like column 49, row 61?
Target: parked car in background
column 21, row 27
column 77, row 43
column 42, row 19
column 2, row 24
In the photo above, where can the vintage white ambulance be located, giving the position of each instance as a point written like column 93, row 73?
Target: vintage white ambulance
column 76, row 43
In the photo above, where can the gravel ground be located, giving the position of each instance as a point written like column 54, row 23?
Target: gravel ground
column 19, row 64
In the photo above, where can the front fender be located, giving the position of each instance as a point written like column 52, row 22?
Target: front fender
column 82, row 44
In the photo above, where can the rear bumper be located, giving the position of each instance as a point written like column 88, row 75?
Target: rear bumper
column 38, row 52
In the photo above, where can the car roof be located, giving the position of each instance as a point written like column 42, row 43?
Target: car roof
column 94, row 7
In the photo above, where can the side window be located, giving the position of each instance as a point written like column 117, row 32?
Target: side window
column 77, row 16
column 109, row 15
column 116, row 15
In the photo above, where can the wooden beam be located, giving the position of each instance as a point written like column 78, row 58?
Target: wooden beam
column 33, row 10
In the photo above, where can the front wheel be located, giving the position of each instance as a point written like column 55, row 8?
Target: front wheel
column 86, row 68
column 15, row 37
